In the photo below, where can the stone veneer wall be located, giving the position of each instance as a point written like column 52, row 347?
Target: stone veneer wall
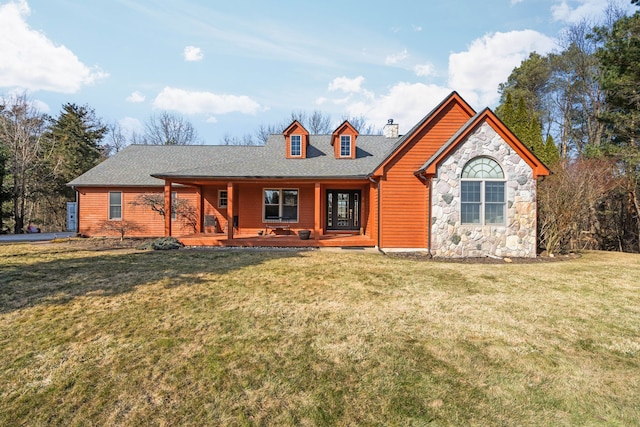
column 518, row 237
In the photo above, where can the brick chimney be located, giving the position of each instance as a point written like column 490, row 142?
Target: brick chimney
column 390, row 130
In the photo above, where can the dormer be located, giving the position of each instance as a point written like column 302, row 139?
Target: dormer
column 343, row 140
column 296, row 139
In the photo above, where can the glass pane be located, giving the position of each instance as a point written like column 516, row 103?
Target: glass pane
column 494, row 213
column 271, row 197
column 356, row 208
column 482, row 167
column 494, row 192
column 115, row 212
column 295, row 145
column 470, row 191
column 290, row 197
column 345, row 145
column 115, row 198
column 330, row 210
column 290, row 213
column 343, row 209
column 470, row 213
column 271, row 211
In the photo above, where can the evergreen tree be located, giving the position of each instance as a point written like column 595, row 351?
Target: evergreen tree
column 73, row 146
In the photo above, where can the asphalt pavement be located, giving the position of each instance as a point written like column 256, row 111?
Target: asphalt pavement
column 35, row 237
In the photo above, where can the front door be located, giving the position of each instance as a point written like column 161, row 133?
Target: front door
column 343, row 210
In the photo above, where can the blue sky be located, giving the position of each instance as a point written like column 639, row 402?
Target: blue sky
column 229, row 67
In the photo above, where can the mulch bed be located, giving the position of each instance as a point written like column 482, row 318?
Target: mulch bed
column 423, row 256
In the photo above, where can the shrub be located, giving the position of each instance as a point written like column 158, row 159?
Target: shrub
column 162, row 244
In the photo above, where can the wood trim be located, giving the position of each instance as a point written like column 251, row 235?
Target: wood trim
column 167, row 209
column 454, row 98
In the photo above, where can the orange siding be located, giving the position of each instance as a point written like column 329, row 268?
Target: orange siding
column 405, row 197
column 94, row 211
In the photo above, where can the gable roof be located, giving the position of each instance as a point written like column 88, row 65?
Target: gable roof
column 488, row 116
column 453, row 98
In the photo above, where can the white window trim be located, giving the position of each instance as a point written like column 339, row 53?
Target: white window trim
column 220, row 198
column 483, row 205
column 349, row 154
column 110, row 204
column 281, row 200
column 291, row 146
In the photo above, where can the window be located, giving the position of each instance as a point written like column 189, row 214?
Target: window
column 296, row 145
column 281, row 204
column 345, row 145
column 482, row 192
column 174, row 198
column 222, row 198
column 115, row 205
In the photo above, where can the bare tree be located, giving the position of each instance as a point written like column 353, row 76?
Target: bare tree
column 319, row 123
column 120, row 227
column 116, row 140
column 360, row 124
column 168, row 129
column 21, row 130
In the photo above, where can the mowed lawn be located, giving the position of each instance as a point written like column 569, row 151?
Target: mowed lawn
column 211, row 337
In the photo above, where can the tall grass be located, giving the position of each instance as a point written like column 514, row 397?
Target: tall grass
column 206, row 337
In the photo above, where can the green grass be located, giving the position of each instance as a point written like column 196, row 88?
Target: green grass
column 205, row 337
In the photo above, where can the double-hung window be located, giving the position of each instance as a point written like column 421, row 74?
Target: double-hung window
column 483, row 193
column 281, row 204
column 345, row 145
column 115, row 205
column 222, row 199
column 296, row 146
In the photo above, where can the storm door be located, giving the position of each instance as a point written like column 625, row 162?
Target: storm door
column 343, row 210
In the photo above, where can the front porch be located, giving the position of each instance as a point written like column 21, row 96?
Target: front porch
column 280, row 240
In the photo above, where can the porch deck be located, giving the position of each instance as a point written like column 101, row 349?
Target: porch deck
column 283, row 241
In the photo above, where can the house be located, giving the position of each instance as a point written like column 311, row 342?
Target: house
column 458, row 184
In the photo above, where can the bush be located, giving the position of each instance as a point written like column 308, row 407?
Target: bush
column 162, row 244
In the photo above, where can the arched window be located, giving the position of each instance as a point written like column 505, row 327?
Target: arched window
column 483, row 192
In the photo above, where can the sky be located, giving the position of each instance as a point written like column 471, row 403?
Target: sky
column 230, row 67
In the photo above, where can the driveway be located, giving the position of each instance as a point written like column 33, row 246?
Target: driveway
column 35, row 237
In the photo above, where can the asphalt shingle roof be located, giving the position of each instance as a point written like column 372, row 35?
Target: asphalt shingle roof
column 135, row 165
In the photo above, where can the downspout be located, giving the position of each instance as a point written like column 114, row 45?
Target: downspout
column 429, row 182
column 378, row 209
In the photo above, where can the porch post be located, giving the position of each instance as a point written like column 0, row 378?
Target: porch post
column 167, row 208
column 316, row 212
column 200, row 210
column 230, row 210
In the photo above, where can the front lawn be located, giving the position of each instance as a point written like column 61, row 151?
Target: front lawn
column 212, row 337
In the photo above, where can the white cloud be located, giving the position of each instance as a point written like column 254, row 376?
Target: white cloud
column 29, row 60
column 417, row 28
column 136, row 97
column 406, row 103
column 573, row 11
column 490, row 59
column 424, row 70
column 396, row 57
column 192, row 102
column 192, row 53
column 347, row 85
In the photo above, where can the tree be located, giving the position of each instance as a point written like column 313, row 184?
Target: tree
column 116, row 140
column 21, row 129
column 620, row 62
column 167, row 129
column 73, row 146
